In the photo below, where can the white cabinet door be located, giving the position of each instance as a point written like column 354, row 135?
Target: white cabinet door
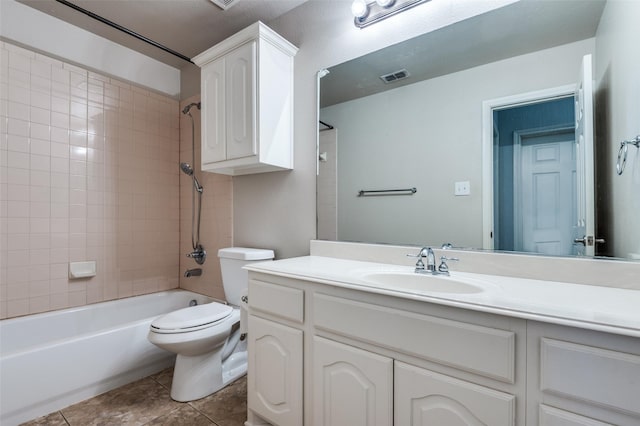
column 275, row 372
column 241, row 101
column 352, row 387
column 426, row 398
column 213, row 111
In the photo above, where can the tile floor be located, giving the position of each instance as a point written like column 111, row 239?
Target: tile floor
column 147, row 402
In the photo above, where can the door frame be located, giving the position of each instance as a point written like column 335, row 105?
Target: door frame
column 488, row 107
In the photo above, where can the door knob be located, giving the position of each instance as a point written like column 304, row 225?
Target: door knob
column 589, row 241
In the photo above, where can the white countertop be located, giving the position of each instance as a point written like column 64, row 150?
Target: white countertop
column 606, row 309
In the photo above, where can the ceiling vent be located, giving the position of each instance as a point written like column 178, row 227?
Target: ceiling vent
column 395, row 76
column 224, row 4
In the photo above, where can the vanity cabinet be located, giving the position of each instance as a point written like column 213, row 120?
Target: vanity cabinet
column 376, row 360
column 247, row 103
column 381, row 358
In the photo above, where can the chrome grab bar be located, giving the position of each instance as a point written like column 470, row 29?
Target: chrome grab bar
column 378, row 192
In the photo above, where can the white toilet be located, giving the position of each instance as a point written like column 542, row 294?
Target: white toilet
column 207, row 337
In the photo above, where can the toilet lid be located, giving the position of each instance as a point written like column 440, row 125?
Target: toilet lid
column 193, row 316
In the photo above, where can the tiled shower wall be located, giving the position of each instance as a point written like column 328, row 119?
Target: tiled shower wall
column 88, row 171
column 217, row 211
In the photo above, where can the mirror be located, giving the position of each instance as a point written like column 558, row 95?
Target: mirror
column 425, row 131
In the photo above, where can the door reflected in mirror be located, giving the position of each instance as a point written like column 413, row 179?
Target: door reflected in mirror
column 426, row 131
column 534, row 178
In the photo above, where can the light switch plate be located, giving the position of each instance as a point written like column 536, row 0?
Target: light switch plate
column 462, row 188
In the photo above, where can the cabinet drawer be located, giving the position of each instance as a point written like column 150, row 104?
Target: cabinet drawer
column 423, row 397
column 594, row 375
column 281, row 301
column 481, row 350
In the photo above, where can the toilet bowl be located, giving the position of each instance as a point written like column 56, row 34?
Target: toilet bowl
column 197, row 334
column 206, row 338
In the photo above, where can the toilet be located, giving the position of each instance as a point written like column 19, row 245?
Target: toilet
column 206, row 338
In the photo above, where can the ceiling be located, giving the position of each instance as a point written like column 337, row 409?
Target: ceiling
column 516, row 29
column 188, row 27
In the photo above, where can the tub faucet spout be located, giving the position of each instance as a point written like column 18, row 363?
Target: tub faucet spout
column 193, row 272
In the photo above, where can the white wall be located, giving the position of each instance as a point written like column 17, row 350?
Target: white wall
column 278, row 210
column 29, row 27
column 428, row 135
column 618, row 100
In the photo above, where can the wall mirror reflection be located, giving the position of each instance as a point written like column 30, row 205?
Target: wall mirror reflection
column 508, row 125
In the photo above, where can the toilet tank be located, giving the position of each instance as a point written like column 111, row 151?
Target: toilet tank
column 235, row 279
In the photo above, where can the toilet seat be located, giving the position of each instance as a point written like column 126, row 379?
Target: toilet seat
column 190, row 319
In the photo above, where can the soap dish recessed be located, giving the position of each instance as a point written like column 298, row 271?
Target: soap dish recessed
column 82, row 269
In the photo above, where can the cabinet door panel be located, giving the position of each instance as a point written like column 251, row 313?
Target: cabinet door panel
column 213, row 112
column 426, row 398
column 275, row 372
column 590, row 374
column 241, row 101
column 352, row 387
column 550, row 416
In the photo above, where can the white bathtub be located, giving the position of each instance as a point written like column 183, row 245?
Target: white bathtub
column 51, row 360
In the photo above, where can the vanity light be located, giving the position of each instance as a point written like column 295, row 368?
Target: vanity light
column 367, row 13
column 360, row 9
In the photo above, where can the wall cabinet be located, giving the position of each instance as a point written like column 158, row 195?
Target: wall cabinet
column 247, row 103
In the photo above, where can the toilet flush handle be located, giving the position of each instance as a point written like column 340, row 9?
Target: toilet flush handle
column 245, row 299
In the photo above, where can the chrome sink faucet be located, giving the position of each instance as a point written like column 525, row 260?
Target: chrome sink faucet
column 431, row 261
column 430, row 267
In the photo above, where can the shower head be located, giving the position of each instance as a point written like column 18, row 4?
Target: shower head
column 186, row 169
column 186, row 109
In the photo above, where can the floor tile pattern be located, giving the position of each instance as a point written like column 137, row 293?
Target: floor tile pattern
column 147, row 402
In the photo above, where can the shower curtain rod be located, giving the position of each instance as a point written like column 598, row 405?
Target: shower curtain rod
column 124, row 30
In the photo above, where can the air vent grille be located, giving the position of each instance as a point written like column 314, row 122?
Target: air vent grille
column 224, row 4
column 395, row 76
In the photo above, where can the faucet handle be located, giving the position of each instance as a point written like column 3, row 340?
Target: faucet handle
column 424, row 252
column 444, row 268
column 419, row 262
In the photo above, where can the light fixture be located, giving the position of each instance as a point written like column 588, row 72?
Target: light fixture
column 360, row 9
column 368, row 13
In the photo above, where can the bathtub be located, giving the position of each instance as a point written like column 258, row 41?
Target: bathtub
column 51, row 360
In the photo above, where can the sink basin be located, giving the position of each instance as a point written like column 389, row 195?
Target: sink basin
column 419, row 283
